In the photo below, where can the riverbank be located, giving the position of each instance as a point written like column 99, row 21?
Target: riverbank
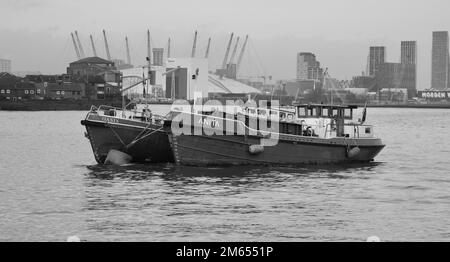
column 55, row 105
column 84, row 105
column 444, row 106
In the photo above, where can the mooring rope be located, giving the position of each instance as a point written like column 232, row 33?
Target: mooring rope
column 116, row 134
column 143, row 137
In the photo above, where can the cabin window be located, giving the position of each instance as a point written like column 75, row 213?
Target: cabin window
column 3, row 91
column 335, row 112
column 26, row 92
column 314, row 112
column 347, row 113
column 319, row 111
column 368, row 130
column 290, row 116
column 38, row 91
column 62, row 92
column 57, row 92
column 32, row 92
column 8, row 91
column 302, row 111
column 325, row 112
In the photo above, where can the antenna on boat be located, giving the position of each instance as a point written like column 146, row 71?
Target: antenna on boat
column 325, row 74
column 363, row 118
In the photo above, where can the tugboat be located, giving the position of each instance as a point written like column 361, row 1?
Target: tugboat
column 119, row 136
column 316, row 134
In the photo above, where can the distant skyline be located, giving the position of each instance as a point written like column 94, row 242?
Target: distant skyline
column 36, row 34
column 440, row 63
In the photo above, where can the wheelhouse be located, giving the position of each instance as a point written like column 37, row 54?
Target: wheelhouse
column 325, row 111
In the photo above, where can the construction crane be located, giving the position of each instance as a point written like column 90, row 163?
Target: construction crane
column 128, row 51
column 194, row 46
column 225, row 59
column 108, row 55
column 76, row 47
column 80, row 46
column 233, row 55
column 207, row 48
column 241, row 55
column 168, row 48
column 93, row 46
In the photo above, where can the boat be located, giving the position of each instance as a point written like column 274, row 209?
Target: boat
column 133, row 134
column 315, row 134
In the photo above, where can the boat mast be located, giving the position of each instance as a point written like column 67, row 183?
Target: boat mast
column 149, row 59
column 325, row 74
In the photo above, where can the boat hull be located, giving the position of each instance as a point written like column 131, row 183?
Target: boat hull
column 106, row 134
column 235, row 150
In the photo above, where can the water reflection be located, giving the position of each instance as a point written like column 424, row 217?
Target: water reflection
column 170, row 172
column 142, row 186
column 181, row 201
column 405, row 197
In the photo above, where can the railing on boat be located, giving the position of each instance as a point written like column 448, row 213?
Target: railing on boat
column 329, row 128
column 130, row 114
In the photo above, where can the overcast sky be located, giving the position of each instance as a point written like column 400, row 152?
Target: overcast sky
column 35, row 34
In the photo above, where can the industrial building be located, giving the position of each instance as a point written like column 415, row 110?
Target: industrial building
column 299, row 87
column 367, row 82
column 101, row 77
column 192, row 76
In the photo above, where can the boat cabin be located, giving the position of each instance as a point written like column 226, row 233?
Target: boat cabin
column 325, row 111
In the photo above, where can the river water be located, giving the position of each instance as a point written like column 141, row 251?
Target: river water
column 51, row 188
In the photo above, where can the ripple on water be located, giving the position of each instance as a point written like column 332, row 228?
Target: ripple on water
column 55, row 190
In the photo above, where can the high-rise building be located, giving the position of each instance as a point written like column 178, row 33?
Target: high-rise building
column 377, row 56
column 409, row 57
column 5, row 66
column 397, row 76
column 158, row 56
column 439, row 61
column 408, row 52
column 308, row 67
